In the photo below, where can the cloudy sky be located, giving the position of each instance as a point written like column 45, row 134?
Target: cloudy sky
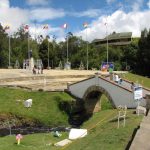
column 120, row 15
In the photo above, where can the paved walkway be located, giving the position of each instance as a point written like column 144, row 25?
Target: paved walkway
column 141, row 140
column 50, row 80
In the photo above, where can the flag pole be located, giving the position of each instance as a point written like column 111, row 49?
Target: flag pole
column 48, row 53
column 28, row 47
column 107, row 39
column 53, row 45
column 107, row 43
column 35, row 36
column 87, row 64
column 9, row 50
column 67, row 44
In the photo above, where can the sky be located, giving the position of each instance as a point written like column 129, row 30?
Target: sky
column 120, row 16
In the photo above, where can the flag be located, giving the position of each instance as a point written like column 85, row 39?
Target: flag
column 47, row 36
column 41, row 36
column 7, row 27
column 26, row 27
column 85, row 24
column 105, row 23
column 64, row 26
column 69, row 34
column 45, row 26
column 54, row 37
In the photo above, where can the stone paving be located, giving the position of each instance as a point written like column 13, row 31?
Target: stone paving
column 142, row 137
column 50, row 80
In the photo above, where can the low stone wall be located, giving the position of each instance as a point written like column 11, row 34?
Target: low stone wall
column 148, row 101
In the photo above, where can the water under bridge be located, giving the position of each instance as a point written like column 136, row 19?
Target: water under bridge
column 90, row 90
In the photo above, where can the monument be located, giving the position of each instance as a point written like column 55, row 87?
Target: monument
column 81, row 66
column 67, row 66
column 28, row 64
column 31, row 60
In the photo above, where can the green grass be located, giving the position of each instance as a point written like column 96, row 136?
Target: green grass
column 105, row 103
column 44, row 108
column 102, row 126
column 144, row 81
column 102, row 135
column 31, row 142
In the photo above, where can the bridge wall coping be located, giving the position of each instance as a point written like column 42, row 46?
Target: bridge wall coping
column 116, row 92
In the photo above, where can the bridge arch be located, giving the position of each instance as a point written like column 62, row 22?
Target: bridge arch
column 92, row 98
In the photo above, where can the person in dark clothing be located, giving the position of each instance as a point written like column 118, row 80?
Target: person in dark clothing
column 132, row 86
column 34, row 70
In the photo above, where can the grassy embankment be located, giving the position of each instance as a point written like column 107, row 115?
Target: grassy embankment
column 102, row 127
column 44, row 108
column 144, row 81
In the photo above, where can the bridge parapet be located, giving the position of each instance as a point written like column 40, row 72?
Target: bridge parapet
column 117, row 94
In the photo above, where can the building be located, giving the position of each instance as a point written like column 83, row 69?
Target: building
column 117, row 39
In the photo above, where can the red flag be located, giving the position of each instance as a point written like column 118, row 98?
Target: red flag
column 85, row 24
column 26, row 27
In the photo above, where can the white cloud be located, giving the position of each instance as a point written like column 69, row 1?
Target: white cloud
column 148, row 4
column 42, row 14
column 137, row 5
column 88, row 13
column 13, row 16
column 37, row 30
column 110, row 1
column 37, row 2
column 4, row 4
column 119, row 21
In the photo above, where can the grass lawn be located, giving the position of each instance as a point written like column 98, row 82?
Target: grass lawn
column 102, row 135
column 144, row 81
column 44, row 108
column 31, row 142
column 102, row 126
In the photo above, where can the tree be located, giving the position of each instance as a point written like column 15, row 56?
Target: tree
column 3, row 48
column 143, row 53
column 130, row 56
column 43, row 52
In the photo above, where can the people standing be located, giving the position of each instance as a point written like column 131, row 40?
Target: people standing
column 116, row 78
column 132, row 86
column 34, row 70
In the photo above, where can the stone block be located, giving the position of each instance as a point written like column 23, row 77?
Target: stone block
column 147, row 101
column 140, row 110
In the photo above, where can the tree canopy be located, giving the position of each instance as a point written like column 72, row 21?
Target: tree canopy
column 135, row 56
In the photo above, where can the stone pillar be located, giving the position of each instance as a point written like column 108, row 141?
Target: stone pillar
column 31, row 63
column 148, row 101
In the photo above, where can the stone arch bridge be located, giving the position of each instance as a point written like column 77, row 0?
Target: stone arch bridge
column 91, row 89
